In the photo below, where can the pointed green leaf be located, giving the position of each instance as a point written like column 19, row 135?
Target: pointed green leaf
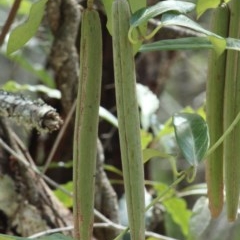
column 150, row 153
column 145, row 14
column 178, row 44
column 146, row 138
column 188, row 43
column 177, row 208
column 22, row 33
column 218, row 42
column 192, row 136
column 113, row 169
column 139, row 19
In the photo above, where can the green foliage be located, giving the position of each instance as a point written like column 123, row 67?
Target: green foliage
column 142, row 16
column 65, row 199
column 189, row 43
column 113, row 169
column 191, row 133
column 145, row 14
column 24, row 6
column 177, row 208
column 150, row 153
column 13, row 86
column 24, row 32
column 134, row 6
column 218, row 43
column 203, row 5
column 146, row 138
column 178, row 44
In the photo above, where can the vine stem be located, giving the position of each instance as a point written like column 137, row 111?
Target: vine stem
column 221, row 139
column 156, row 200
column 9, row 20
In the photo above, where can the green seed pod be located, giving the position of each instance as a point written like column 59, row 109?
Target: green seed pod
column 128, row 119
column 215, row 97
column 86, row 124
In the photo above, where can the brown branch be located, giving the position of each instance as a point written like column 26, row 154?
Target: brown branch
column 9, row 21
column 64, row 18
column 30, row 113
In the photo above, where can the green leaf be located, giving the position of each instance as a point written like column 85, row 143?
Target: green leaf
column 65, row 199
column 113, row 169
column 192, row 136
column 187, row 44
column 218, row 42
column 108, row 116
column 177, row 208
column 150, row 153
column 13, row 86
column 24, row 6
column 145, row 14
column 160, row 188
column 178, row 44
column 134, row 6
column 140, row 18
column 203, row 5
column 22, row 33
column 141, row 31
column 146, row 138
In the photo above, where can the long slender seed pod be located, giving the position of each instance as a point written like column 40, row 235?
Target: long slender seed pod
column 231, row 109
column 128, row 117
column 86, row 124
column 215, row 96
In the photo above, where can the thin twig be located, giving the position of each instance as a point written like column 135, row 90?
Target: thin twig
column 59, row 137
column 33, row 167
column 9, row 20
column 98, row 225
